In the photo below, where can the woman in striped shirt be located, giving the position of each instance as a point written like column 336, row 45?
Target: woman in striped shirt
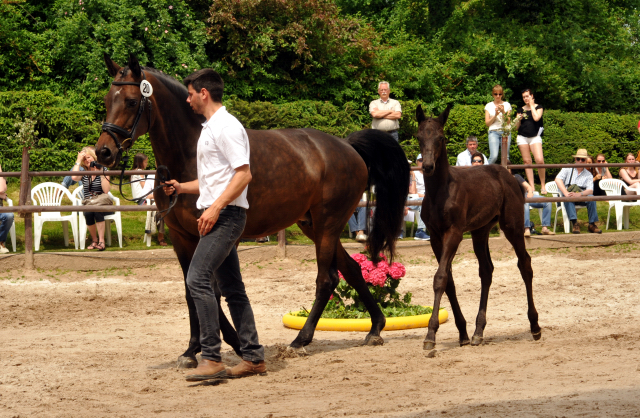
column 93, row 185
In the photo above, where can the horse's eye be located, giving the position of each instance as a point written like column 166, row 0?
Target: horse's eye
column 131, row 103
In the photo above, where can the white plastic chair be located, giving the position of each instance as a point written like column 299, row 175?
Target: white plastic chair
column 552, row 188
column 116, row 217
column 147, row 237
column 12, row 231
column 613, row 187
column 51, row 194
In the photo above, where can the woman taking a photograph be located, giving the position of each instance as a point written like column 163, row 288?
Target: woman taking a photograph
column 93, row 185
column 494, row 114
column 529, row 125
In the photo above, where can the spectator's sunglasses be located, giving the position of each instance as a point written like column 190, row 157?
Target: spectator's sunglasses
column 600, row 161
column 477, row 161
column 497, row 94
column 581, row 160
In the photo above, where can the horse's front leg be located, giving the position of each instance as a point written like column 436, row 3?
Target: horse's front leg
column 447, row 247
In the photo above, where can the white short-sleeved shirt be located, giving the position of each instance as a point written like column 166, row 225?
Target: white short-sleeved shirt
column 385, row 124
column 464, row 159
column 136, row 188
column 491, row 108
column 571, row 176
column 223, row 146
column 419, row 176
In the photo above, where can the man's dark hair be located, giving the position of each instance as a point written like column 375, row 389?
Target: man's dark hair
column 207, row 79
column 527, row 90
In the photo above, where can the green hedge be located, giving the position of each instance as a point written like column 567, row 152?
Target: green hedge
column 64, row 130
column 613, row 135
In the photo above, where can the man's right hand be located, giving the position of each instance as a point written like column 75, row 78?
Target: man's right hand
column 171, row 186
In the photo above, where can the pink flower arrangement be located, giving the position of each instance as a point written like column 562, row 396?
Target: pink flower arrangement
column 377, row 274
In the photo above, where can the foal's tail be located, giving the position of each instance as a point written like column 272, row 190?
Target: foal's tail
column 389, row 173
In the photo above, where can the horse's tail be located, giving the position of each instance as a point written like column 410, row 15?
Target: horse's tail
column 389, row 173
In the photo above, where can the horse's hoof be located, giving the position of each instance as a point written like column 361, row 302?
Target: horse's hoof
column 428, row 345
column 186, row 362
column 300, row 351
column 373, row 340
column 536, row 335
column 475, row 340
column 464, row 342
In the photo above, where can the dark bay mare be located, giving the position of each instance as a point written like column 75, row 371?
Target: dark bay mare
column 473, row 199
column 301, row 176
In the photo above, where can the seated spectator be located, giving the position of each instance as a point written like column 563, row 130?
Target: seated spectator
column 476, row 159
column 464, row 158
column 68, row 180
column 546, row 208
column 142, row 187
column 358, row 221
column 6, row 219
column 417, row 187
column 600, row 174
column 576, row 182
column 630, row 175
column 93, row 185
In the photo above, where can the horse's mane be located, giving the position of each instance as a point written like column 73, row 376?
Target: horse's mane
column 169, row 82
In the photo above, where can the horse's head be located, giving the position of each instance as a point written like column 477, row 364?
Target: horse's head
column 128, row 104
column 431, row 138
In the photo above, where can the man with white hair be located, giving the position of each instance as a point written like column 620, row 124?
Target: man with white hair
column 386, row 112
column 464, row 158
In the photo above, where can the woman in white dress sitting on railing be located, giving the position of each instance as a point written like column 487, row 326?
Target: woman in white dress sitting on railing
column 143, row 187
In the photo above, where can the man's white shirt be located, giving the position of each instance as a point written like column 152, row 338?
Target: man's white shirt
column 223, row 146
column 464, row 158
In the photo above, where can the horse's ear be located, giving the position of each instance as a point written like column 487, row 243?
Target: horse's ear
column 134, row 65
column 442, row 119
column 420, row 115
column 112, row 67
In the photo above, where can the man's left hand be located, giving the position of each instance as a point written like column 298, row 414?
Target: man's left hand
column 208, row 220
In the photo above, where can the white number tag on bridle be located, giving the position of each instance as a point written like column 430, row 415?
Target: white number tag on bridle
column 146, row 89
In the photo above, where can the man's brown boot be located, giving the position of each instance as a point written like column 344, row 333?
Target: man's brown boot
column 594, row 229
column 247, row 368
column 208, row 369
column 576, row 228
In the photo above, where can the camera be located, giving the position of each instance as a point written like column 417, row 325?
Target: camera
column 95, row 164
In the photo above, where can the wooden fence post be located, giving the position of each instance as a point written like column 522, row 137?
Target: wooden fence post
column 282, row 244
column 25, row 199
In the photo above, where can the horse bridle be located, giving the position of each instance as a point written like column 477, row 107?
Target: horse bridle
column 112, row 129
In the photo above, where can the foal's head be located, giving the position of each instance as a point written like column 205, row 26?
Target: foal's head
column 431, row 139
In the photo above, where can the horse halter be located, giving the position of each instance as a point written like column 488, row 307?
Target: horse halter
column 112, row 128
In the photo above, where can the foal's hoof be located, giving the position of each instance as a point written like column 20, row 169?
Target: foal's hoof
column 428, row 345
column 373, row 340
column 536, row 335
column 475, row 340
column 464, row 342
column 187, row 362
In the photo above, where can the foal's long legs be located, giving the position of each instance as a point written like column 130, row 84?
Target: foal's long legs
column 481, row 248
column 516, row 238
column 449, row 246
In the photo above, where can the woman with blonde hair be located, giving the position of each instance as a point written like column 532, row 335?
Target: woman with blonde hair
column 494, row 114
column 630, row 175
column 93, row 185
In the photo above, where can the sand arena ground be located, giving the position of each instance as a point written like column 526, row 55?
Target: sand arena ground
column 99, row 336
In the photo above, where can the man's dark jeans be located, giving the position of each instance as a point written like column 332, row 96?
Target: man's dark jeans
column 216, row 258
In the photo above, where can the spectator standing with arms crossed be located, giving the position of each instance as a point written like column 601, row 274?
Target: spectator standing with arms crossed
column 6, row 219
column 494, row 114
column 386, row 112
column 223, row 177
column 529, row 125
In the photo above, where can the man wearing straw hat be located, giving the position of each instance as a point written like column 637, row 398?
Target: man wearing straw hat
column 576, row 182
